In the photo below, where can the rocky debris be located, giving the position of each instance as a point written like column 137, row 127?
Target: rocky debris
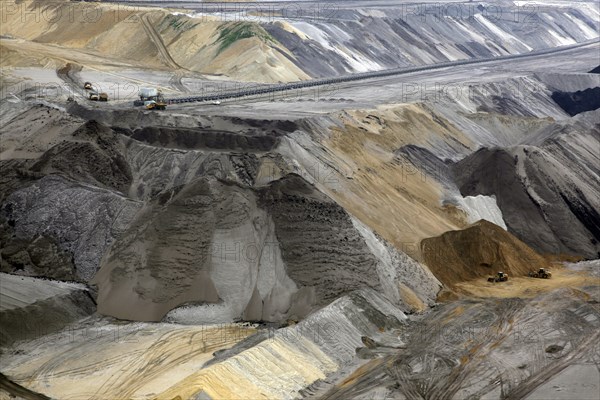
column 478, row 251
column 577, row 102
column 40, row 256
column 83, row 220
column 156, row 169
column 15, row 174
column 93, row 155
column 320, row 246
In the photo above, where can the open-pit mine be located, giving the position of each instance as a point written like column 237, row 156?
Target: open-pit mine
column 312, row 199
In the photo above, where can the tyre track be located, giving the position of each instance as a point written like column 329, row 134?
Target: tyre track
column 158, row 42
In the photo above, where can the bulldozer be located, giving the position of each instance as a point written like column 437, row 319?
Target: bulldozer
column 541, row 273
column 156, row 102
column 87, row 86
column 155, row 105
column 95, row 96
column 500, row 277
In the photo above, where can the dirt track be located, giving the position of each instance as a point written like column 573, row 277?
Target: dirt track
column 158, row 42
column 471, row 349
column 134, row 360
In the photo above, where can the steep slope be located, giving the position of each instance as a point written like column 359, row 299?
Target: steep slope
column 31, row 308
column 325, row 342
column 541, row 190
column 65, row 210
column 482, row 249
column 415, row 34
column 148, row 38
column 232, row 252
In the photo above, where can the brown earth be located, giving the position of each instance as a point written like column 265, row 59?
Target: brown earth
column 478, row 251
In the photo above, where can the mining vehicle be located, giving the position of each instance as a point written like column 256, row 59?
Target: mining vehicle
column 500, row 277
column 147, row 94
column 155, row 105
column 87, row 86
column 95, row 96
column 541, row 273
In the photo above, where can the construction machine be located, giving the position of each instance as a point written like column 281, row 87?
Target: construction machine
column 87, row 86
column 155, row 105
column 95, row 96
column 152, row 99
column 500, row 277
column 541, row 273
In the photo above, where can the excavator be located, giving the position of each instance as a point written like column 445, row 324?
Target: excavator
column 541, row 273
column 500, row 277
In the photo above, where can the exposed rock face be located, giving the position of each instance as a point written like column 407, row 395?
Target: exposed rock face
column 479, row 250
column 155, row 169
column 83, row 219
column 320, row 245
column 203, row 139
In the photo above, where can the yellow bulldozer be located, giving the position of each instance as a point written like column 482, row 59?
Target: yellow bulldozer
column 95, row 96
column 155, row 105
column 500, row 277
column 541, row 273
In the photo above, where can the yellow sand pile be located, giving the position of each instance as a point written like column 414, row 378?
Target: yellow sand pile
column 480, row 250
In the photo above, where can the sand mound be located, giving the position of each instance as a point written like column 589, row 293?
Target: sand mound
column 479, row 250
column 542, row 190
column 225, row 251
column 147, row 38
